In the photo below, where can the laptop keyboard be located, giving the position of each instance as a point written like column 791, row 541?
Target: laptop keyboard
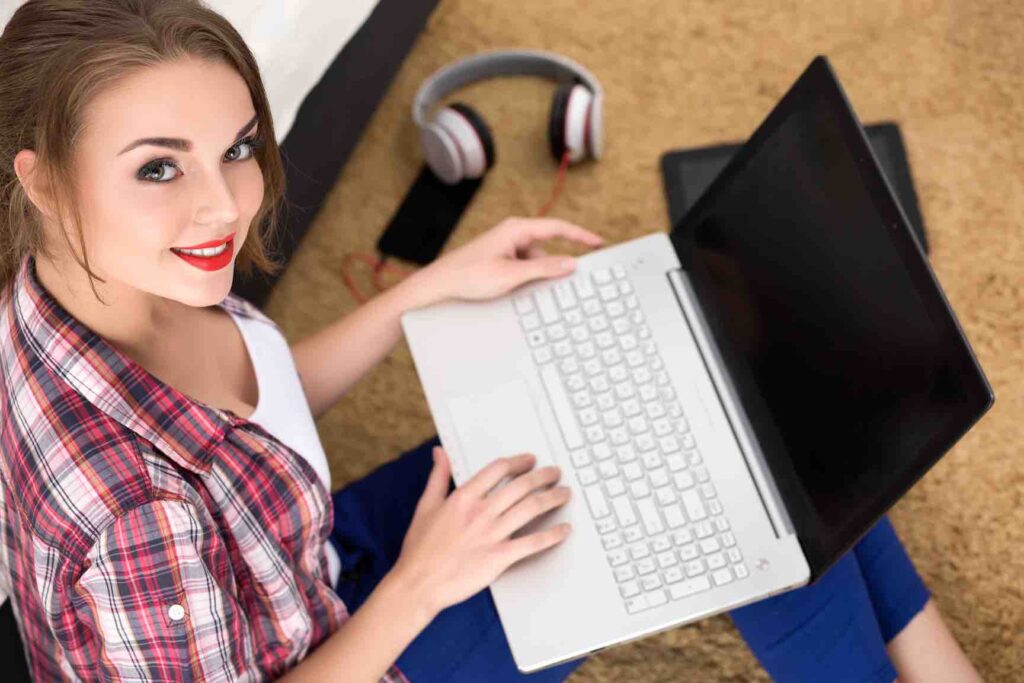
column 653, row 503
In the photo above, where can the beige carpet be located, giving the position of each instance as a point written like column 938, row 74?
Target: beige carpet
column 679, row 74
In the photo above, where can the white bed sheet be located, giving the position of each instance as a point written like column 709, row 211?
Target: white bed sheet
column 294, row 41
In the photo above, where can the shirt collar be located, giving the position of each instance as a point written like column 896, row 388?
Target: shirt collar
column 185, row 429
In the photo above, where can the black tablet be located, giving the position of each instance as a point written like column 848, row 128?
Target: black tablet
column 686, row 173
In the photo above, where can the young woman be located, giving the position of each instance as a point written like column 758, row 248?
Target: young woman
column 166, row 512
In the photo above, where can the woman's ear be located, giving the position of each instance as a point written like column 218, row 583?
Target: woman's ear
column 33, row 182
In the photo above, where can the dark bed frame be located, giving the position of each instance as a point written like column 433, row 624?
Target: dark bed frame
column 332, row 117
column 327, row 126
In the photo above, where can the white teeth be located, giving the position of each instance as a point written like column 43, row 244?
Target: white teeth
column 212, row 251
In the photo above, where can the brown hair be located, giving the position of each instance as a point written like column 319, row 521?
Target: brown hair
column 56, row 56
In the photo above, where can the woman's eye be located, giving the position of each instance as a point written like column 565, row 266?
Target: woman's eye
column 251, row 143
column 147, row 172
column 152, row 172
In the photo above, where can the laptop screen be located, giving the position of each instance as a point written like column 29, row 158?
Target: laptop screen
column 848, row 361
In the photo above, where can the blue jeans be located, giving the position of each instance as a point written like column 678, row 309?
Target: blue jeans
column 835, row 629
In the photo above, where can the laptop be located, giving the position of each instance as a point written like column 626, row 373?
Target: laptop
column 734, row 404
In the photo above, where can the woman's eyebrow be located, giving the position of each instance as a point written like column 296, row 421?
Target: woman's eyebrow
column 180, row 144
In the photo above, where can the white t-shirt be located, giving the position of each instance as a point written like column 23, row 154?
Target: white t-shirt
column 282, row 408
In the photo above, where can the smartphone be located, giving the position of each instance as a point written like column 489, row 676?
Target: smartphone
column 426, row 217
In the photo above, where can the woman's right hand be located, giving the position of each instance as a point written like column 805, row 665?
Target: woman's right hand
column 457, row 545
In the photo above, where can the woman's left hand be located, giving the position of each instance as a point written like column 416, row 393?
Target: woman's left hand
column 504, row 258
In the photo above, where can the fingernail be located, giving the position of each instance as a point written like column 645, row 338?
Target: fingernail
column 568, row 264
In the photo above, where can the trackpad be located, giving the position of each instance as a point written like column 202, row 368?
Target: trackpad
column 498, row 422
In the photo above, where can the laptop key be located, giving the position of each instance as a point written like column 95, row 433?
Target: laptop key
column 689, row 552
column 629, row 589
column 623, row 573
column 562, row 408
column 665, row 495
column 694, row 506
column 674, row 515
column 694, row 567
column 639, row 550
column 617, row 557
column 596, row 501
column 661, row 543
column 580, row 457
column 689, row 587
column 614, row 487
column 709, row 545
column 659, row 477
column 645, row 566
column 722, row 576
column 524, row 304
column 623, row 511
column 656, row 597
column 716, row 561
column 637, row 603
column 586, row 475
column 650, row 582
column 584, row 287
column 649, row 515
column 549, row 312
column 614, row 540
column 564, row 294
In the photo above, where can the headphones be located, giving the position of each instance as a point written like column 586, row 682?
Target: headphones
column 458, row 145
column 457, row 142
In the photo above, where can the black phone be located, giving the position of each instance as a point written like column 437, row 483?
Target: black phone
column 687, row 173
column 426, row 217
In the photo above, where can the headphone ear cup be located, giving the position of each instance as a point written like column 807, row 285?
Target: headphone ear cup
column 556, row 121
column 458, row 144
column 569, row 127
column 440, row 150
column 482, row 131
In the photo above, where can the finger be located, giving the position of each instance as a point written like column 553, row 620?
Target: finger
column 496, row 470
column 506, row 497
column 536, row 229
column 436, row 489
column 516, row 549
column 541, row 267
column 532, row 251
column 531, row 507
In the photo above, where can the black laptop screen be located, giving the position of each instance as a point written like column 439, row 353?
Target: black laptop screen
column 850, row 365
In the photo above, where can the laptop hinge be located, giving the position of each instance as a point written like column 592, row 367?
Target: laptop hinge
column 754, row 458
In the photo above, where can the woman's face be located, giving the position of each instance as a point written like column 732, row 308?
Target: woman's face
column 141, row 200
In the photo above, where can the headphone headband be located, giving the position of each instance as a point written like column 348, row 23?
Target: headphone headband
column 502, row 63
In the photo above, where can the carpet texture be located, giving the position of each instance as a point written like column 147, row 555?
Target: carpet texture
column 695, row 73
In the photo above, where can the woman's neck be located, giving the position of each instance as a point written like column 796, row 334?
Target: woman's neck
column 137, row 323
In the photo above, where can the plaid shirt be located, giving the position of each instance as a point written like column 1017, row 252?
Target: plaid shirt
column 145, row 535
